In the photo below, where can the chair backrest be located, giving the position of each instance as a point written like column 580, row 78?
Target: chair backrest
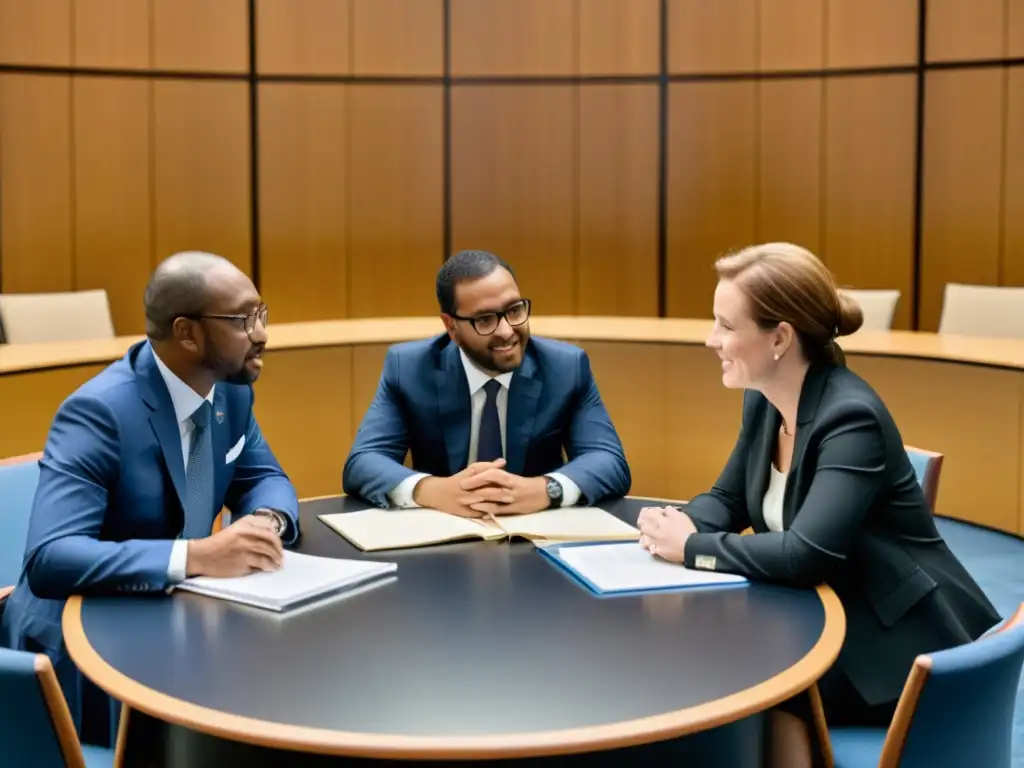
column 983, row 310
column 18, row 479
column 927, row 466
column 35, row 724
column 957, row 706
column 879, row 307
column 72, row 316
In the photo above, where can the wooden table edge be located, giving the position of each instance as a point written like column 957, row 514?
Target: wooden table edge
column 758, row 698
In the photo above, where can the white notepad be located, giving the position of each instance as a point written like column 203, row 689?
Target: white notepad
column 380, row 529
column 300, row 580
column 627, row 567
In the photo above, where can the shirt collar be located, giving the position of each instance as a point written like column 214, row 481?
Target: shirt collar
column 476, row 378
column 185, row 399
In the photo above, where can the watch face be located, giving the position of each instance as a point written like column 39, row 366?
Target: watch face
column 554, row 490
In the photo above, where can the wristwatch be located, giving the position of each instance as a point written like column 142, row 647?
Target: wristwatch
column 554, row 489
column 280, row 521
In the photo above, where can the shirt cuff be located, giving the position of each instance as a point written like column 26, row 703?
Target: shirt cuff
column 570, row 491
column 176, row 569
column 401, row 495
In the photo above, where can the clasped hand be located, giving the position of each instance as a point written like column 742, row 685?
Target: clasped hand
column 664, row 531
column 483, row 488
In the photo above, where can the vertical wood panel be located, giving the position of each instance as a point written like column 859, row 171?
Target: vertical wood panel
column 201, row 162
column 303, row 205
column 309, row 37
column 201, row 35
column 1013, row 200
column 712, row 182
column 619, row 37
column 965, row 29
column 638, row 408
column 1015, row 49
column 792, row 34
column 112, row 33
column 963, row 134
column 871, row 33
column 618, row 200
column 789, row 206
column 35, row 32
column 869, row 184
column 113, row 228
column 513, row 37
column 35, row 178
column 367, row 366
column 396, row 204
column 398, row 37
column 311, row 453
column 514, row 182
column 719, row 36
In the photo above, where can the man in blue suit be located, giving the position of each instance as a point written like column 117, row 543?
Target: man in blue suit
column 486, row 411
column 141, row 459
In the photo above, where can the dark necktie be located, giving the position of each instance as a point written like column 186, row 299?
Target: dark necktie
column 199, row 477
column 489, row 439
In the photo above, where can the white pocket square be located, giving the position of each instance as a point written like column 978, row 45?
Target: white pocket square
column 233, row 453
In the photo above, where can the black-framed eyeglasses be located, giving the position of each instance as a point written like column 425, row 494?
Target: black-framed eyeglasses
column 248, row 321
column 487, row 323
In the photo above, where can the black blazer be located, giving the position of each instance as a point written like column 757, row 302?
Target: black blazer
column 854, row 517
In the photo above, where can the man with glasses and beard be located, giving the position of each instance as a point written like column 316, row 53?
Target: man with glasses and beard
column 141, row 459
column 486, row 411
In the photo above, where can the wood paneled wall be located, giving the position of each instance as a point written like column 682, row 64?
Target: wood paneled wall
column 338, row 150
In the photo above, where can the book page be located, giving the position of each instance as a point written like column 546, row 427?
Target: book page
column 621, row 567
column 568, row 524
column 377, row 529
column 299, row 577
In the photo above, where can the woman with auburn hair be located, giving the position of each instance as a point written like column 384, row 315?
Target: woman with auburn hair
column 820, row 473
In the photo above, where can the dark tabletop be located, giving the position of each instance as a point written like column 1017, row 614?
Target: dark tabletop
column 470, row 639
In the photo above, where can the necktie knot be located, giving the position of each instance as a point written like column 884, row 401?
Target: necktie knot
column 201, row 416
column 492, row 388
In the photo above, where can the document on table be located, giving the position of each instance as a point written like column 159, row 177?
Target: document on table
column 627, row 567
column 300, row 580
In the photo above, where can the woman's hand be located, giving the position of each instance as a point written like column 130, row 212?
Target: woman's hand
column 664, row 531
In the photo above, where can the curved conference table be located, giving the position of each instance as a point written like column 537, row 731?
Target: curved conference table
column 480, row 651
column 960, row 396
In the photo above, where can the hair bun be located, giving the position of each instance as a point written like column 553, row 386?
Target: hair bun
column 851, row 318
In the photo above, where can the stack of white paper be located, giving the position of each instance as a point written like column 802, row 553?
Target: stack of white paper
column 299, row 580
column 627, row 567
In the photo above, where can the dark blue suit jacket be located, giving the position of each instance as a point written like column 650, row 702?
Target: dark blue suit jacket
column 423, row 406
column 111, row 487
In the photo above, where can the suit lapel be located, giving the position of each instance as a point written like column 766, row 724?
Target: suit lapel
column 221, row 436
column 453, row 407
column 807, row 410
column 162, row 418
column 523, row 397
column 760, row 466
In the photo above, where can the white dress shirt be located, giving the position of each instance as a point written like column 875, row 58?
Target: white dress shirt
column 772, row 505
column 185, row 401
column 401, row 494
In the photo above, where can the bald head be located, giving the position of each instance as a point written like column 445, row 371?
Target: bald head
column 180, row 287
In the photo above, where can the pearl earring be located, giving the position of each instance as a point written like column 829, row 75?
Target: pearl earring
column 776, row 358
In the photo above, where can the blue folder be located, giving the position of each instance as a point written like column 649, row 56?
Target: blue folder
column 553, row 552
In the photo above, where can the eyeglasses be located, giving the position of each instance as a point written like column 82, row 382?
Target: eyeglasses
column 488, row 323
column 248, row 321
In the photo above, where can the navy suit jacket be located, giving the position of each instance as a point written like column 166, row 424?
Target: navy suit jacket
column 423, row 406
column 111, row 487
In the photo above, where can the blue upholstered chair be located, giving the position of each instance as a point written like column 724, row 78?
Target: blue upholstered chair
column 18, row 479
column 956, row 709
column 35, row 725
column 927, row 466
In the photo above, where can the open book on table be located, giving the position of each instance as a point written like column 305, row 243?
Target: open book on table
column 380, row 529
